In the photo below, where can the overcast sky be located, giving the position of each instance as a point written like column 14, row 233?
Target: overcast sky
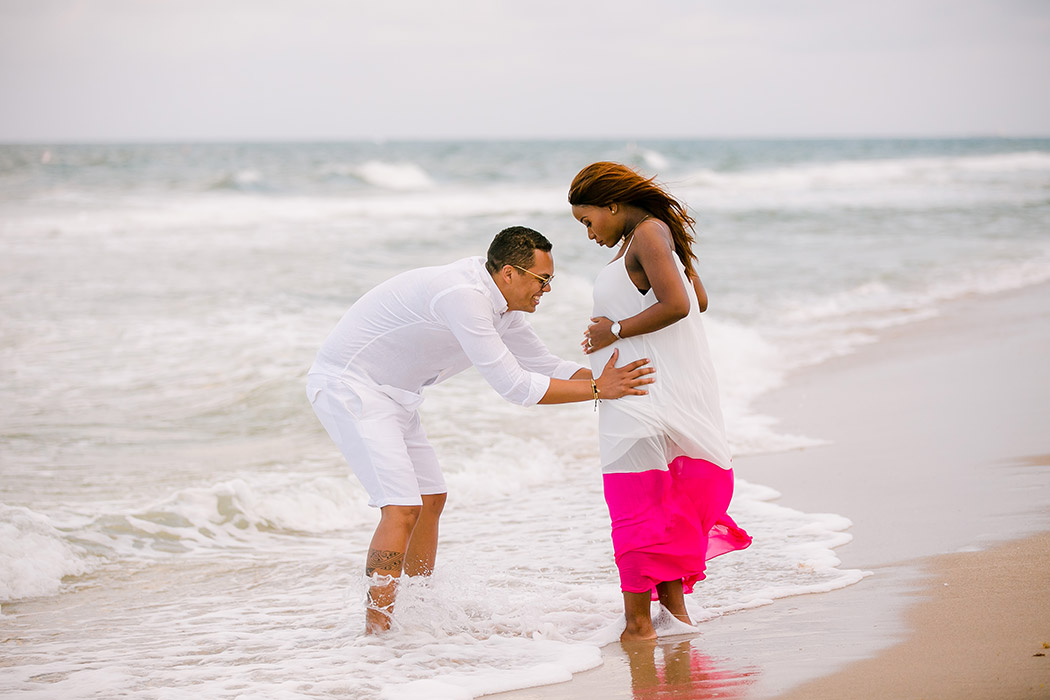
column 132, row 70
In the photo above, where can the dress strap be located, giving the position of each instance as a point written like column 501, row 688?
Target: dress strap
column 629, row 233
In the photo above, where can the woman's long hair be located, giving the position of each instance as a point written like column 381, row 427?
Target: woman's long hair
column 604, row 183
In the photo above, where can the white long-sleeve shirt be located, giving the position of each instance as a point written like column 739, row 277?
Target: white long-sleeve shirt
column 425, row 325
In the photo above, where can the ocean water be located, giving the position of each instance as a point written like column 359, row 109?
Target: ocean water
column 173, row 519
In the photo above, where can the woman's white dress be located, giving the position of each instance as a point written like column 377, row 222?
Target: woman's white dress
column 666, row 464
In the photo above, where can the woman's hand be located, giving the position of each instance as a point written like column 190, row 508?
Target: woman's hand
column 598, row 335
column 615, row 382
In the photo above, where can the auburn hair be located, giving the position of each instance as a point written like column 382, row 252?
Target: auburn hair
column 604, row 183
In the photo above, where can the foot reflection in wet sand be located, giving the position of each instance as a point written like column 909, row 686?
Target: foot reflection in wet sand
column 680, row 671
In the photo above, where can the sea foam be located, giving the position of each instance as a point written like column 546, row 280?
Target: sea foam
column 34, row 555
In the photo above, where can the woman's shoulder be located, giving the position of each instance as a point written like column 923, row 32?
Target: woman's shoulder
column 652, row 234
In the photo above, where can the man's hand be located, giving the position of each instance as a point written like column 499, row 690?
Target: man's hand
column 615, row 382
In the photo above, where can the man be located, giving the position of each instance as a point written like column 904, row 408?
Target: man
column 420, row 328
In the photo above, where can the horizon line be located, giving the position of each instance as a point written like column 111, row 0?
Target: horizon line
column 163, row 141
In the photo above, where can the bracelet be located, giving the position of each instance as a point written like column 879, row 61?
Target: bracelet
column 597, row 394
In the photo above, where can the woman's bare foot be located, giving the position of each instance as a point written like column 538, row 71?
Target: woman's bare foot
column 636, row 609
column 672, row 597
column 638, row 635
column 682, row 616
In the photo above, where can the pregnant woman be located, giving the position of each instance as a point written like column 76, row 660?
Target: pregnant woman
column 665, row 461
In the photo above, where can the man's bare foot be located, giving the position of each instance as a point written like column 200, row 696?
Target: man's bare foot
column 377, row 620
column 379, row 602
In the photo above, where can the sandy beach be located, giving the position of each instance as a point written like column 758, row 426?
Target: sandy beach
column 939, row 453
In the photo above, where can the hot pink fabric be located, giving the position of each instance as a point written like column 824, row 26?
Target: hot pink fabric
column 667, row 524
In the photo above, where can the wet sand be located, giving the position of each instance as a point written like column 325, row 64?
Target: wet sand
column 980, row 629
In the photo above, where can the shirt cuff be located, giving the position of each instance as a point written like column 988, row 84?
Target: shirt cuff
column 566, row 369
column 538, row 385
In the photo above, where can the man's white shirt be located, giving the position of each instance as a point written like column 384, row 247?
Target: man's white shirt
column 426, row 325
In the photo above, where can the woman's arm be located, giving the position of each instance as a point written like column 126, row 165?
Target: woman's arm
column 651, row 261
column 701, row 293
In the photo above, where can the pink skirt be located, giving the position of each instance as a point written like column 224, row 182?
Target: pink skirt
column 667, row 524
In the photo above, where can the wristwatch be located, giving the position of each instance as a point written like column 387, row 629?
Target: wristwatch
column 616, row 330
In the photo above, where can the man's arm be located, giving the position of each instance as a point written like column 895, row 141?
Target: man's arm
column 469, row 317
column 569, row 381
column 613, row 383
column 534, row 355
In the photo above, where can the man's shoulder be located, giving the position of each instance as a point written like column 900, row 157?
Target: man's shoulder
column 457, row 283
column 436, row 277
column 468, row 268
column 465, row 276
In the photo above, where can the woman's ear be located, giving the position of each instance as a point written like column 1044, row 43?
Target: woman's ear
column 612, row 208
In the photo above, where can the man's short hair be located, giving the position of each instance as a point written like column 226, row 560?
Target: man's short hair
column 515, row 246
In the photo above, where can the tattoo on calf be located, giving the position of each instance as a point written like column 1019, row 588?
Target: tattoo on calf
column 383, row 560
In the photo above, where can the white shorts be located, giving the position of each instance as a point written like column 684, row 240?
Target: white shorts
column 382, row 440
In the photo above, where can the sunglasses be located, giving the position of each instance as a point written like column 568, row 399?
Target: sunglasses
column 545, row 280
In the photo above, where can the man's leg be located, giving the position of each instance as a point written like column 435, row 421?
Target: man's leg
column 422, row 547
column 386, row 450
column 386, row 556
